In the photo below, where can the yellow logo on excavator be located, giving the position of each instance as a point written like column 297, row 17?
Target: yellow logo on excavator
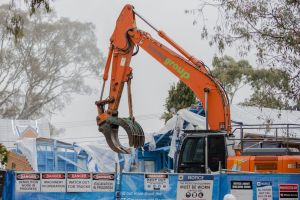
column 183, row 74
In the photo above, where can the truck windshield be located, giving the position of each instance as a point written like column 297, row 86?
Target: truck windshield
column 194, row 150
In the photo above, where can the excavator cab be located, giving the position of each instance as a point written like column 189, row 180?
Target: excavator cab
column 202, row 152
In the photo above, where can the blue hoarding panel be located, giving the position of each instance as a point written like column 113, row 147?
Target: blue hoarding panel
column 181, row 186
column 168, row 186
column 66, row 196
column 276, row 181
column 134, row 186
column 198, row 186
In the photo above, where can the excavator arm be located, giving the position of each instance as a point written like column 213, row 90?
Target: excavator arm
column 125, row 38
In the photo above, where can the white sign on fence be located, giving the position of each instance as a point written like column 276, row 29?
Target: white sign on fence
column 53, row 182
column 264, row 190
column 242, row 189
column 156, row 182
column 79, row 182
column 194, row 187
column 103, row 182
column 28, row 182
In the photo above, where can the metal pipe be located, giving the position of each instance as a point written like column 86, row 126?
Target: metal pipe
column 288, row 135
column 163, row 35
column 220, row 166
column 102, row 91
column 206, row 155
column 142, row 18
column 117, row 178
column 242, row 139
column 206, row 90
column 129, row 98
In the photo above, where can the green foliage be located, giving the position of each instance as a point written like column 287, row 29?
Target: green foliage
column 15, row 20
column 51, row 62
column 35, row 5
column 179, row 96
column 270, row 28
column 3, row 155
column 271, row 89
column 232, row 74
column 15, row 26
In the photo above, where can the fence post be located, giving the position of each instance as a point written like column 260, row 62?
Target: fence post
column 118, row 174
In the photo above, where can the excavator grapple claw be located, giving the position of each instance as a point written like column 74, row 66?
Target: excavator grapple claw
column 110, row 129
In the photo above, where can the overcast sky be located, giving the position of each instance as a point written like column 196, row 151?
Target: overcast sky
column 151, row 80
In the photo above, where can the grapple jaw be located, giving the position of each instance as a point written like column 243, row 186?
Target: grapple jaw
column 110, row 129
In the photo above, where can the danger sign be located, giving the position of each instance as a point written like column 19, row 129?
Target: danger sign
column 288, row 192
column 103, row 182
column 79, row 182
column 28, row 182
column 53, row 182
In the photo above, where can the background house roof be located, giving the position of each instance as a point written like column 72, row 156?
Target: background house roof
column 11, row 130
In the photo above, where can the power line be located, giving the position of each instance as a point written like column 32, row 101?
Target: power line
column 87, row 122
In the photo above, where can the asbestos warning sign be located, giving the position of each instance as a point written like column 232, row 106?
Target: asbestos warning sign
column 28, row 182
column 103, row 182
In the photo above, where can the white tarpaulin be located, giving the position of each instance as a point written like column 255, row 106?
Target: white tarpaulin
column 28, row 148
column 244, row 114
column 176, row 123
column 102, row 159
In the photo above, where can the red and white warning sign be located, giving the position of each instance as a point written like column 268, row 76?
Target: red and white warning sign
column 288, row 192
column 103, row 182
column 53, row 182
column 28, row 182
column 79, row 182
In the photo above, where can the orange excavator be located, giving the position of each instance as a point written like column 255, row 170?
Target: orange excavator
column 208, row 146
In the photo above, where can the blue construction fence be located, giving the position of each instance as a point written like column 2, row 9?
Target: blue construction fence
column 129, row 186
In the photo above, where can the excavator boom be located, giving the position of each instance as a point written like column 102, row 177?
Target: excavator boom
column 125, row 38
